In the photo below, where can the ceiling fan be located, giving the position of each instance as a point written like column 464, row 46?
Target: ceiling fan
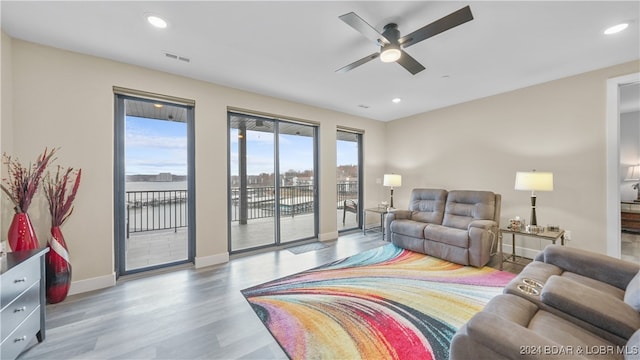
column 392, row 45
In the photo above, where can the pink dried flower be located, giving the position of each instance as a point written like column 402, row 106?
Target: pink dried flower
column 22, row 183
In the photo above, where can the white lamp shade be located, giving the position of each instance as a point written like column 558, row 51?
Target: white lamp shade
column 633, row 174
column 534, row 181
column 392, row 180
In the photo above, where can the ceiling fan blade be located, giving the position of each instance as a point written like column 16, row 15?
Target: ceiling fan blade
column 364, row 28
column 450, row 21
column 409, row 63
column 355, row 64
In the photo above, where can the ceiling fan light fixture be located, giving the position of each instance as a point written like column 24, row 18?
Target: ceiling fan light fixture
column 390, row 53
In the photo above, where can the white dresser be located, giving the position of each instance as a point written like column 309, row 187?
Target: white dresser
column 22, row 301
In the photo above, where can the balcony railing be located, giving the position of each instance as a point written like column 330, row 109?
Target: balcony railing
column 347, row 191
column 260, row 201
column 156, row 210
column 294, row 200
column 167, row 209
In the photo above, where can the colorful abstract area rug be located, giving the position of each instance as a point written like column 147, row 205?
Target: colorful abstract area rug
column 385, row 303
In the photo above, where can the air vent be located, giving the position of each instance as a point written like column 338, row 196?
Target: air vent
column 176, row 57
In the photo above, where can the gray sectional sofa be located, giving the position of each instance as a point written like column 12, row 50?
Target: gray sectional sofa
column 459, row 225
column 566, row 304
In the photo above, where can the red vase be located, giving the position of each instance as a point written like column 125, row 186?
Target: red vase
column 21, row 235
column 58, row 268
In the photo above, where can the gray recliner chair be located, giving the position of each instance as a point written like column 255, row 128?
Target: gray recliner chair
column 567, row 304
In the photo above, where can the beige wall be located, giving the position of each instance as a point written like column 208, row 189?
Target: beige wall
column 557, row 126
column 6, row 114
column 64, row 99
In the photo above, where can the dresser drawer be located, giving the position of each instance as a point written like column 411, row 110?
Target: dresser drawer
column 19, row 279
column 13, row 345
column 14, row 313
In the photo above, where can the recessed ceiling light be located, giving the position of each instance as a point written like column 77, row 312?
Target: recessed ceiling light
column 157, row 105
column 157, row 21
column 616, row 29
column 396, row 100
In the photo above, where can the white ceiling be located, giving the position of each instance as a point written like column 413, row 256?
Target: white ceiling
column 291, row 49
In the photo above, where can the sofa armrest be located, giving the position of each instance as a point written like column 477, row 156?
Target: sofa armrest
column 482, row 237
column 596, row 266
column 595, row 307
column 394, row 215
column 483, row 224
column 401, row 214
column 509, row 339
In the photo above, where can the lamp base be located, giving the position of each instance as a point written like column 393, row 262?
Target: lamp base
column 534, row 220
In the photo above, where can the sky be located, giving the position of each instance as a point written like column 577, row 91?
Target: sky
column 155, row 146
column 296, row 152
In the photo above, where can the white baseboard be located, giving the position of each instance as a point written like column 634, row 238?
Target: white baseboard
column 101, row 282
column 328, row 236
column 204, row 261
column 520, row 251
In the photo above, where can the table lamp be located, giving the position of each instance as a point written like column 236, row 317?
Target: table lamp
column 392, row 180
column 534, row 181
column 634, row 175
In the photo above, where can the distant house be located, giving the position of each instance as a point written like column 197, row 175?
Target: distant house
column 164, row 177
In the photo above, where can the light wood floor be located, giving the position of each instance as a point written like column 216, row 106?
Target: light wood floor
column 630, row 246
column 183, row 313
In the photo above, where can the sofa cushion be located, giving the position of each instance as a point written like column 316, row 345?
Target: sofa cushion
column 463, row 206
column 594, row 284
column 447, row 235
column 592, row 306
column 632, row 293
column 593, row 265
column 566, row 333
column 409, row 228
column 427, row 205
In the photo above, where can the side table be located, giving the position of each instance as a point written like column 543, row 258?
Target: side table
column 382, row 212
column 552, row 236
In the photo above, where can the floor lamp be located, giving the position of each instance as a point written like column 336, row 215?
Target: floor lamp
column 534, row 181
column 392, row 180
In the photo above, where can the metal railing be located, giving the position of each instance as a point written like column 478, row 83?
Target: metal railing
column 346, row 191
column 260, row 201
column 294, row 200
column 167, row 209
column 156, row 210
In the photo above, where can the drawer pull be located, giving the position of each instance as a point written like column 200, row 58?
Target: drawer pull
column 23, row 338
column 24, row 279
column 24, row 308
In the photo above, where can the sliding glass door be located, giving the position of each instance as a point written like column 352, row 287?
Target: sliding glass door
column 348, row 175
column 297, row 163
column 272, row 192
column 153, row 184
